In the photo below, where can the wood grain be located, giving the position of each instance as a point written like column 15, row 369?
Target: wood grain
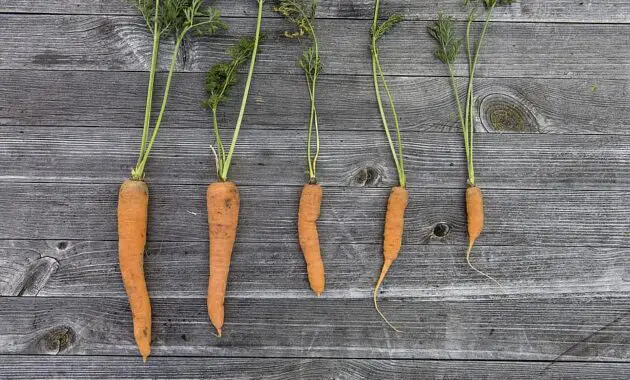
column 354, row 159
column 345, row 102
column 121, row 43
column 276, row 270
column 611, row 11
column 558, row 328
column 349, row 215
column 17, row 367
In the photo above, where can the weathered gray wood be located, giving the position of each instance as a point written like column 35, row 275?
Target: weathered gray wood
column 349, row 215
column 119, row 368
column 116, row 99
column 557, row 328
column 357, row 159
column 122, row 43
column 609, row 11
column 276, row 270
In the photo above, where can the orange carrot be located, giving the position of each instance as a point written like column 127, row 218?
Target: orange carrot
column 394, row 225
column 223, row 207
column 133, row 201
column 310, row 204
column 474, row 212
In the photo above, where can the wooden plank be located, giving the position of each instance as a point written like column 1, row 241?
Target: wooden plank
column 610, row 11
column 345, row 102
column 349, row 215
column 276, row 270
column 356, row 159
column 121, row 368
column 563, row 328
column 121, row 43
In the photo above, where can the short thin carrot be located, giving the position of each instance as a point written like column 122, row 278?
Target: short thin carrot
column 399, row 197
column 449, row 46
column 394, row 226
column 310, row 205
column 223, row 207
column 133, row 201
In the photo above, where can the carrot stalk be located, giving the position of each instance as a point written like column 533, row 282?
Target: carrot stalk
column 133, row 201
column 310, row 204
column 223, row 207
column 394, row 226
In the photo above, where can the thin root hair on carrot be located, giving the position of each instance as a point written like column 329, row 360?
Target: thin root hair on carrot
column 376, row 288
column 470, row 247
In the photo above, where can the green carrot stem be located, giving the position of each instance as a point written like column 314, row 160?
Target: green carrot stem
column 228, row 161
column 152, row 71
column 396, row 125
column 217, row 135
column 139, row 170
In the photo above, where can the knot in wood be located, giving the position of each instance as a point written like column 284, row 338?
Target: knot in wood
column 504, row 113
column 441, row 230
column 367, row 176
column 57, row 340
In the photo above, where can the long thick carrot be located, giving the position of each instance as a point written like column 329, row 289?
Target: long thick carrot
column 310, row 205
column 223, row 207
column 394, row 226
column 133, row 201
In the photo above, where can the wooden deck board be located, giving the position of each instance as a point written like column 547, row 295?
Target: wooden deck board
column 551, row 155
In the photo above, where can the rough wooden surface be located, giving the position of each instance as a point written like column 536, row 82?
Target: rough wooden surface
column 551, row 154
column 123, row 368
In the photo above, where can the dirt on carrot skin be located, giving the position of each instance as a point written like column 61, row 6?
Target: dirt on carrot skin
column 223, row 208
column 133, row 201
column 309, row 211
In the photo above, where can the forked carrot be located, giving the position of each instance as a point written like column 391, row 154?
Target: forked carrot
column 310, row 205
column 133, row 202
column 223, row 207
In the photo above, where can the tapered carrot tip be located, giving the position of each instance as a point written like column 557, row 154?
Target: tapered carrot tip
column 145, row 358
column 219, row 332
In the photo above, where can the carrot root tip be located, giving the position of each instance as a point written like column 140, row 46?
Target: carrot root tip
column 384, row 271
column 470, row 247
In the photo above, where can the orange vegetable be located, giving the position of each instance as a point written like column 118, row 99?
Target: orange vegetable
column 310, row 204
column 394, row 226
column 223, row 207
column 133, row 201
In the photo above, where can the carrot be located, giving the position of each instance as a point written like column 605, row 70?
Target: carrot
column 222, row 197
column 133, row 201
column 302, row 14
column 394, row 225
column 474, row 212
column 443, row 32
column 310, row 204
column 399, row 197
column 223, row 207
